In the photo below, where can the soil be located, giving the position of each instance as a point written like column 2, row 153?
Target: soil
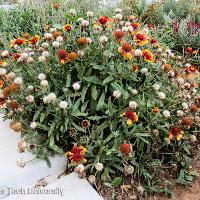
column 192, row 192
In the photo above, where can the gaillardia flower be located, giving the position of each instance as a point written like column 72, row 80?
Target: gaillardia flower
column 177, row 133
column 63, row 56
column 34, row 40
column 104, row 19
column 76, row 155
column 141, row 39
column 67, row 27
column 126, row 50
column 126, row 149
column 148, row 56
column 131, row 116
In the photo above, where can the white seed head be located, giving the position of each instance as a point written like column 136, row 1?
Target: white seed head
column 2, row 71
column 41, row 76
column 179, row 113
column 45, row 45
column 185, row 106
column 144, row 71
column 55, row 44
column 33, row 125
column 59, row 39
column 63, row 104
column 118, row 10
column 166, row 113
column 90, row 14
column 119, row 16
column 138, row 53
column 134, row 92
column 30, row 87
column 103, row 39
column 52, row 97
column 45, row 54
column 30, row 99
column 48, row 35
column 4, row 53
column 133, row 104
column 85, row 23
column 156, row 86
column 42, row 58
column 44, row 83
column 99, row 166
column 18, row 80
column 161, row 95
column 117, row 94
column 76, row 86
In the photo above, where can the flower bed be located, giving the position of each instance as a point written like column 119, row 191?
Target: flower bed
column 101, row 90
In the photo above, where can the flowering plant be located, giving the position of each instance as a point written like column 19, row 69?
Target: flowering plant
column 101, row 89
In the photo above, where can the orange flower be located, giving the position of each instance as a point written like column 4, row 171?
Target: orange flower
column 26, row 35
column 67, row 27
column 2, row 83
column 73, row 55
column 63, row 56
column 126, row 50
column 135, row 25
column 135, row 68
column 103, row 20
column 82, row 41
column 57, row 33
column 126, row 149
column 141, row 39
column 148, row 56
column 176, row 132
column 119, row 35
column 76, row 155
column 155, row 110
column 19, row 41
column 56, row 6
column 3, row 64
column 34, row 40
column 192, row 68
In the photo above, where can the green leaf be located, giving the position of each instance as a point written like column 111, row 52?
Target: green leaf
column 95, row 118
column 83, row 93
column 117, row 181
column 68, row 82
column 94, row 92
column 51, row 129
column 101, row 102
column 42, row 117
column 57, row 149
column 48, row 162
column 79, row 128
column 93, row 79
column 108, row 79
column 51, row 142
column 36, row 115
column 58, row 26
column 77, row 104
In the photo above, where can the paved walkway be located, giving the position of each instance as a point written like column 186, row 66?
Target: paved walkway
column 19, row 183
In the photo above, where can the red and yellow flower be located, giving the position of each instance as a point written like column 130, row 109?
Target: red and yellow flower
column 119, row 35
column 148, row 56
column 3, row 64
column 126, row 50
column 76, row 155
column 177, row 133
column 19, row 41
column 63, row 56
column 135, row 25
column 67, row 27
column 141, row 39
column 126, row 149
column 104, row 20
column 34, row 40
column 131, row 116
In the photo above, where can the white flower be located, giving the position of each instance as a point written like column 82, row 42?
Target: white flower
column 33, row 125
column 48, row 35
column 52, row 97
column 185, row 106
column 30, row 60
column 103, row 39
column 187, row 64
column 30, row 99
column 45, row 54
column 125, row 29
column 52, row 30
column 4, row 53
column 42, row 58
column 85, row 23
column 45, row 45
column 119, row 16
column 18, row 80
column 166, row 113
column 63, row 104
column 117, row 94
column 41, row 76
column 130, row 28
column 24, row 56
column 161, row 95
column 76, row 86
column 128, row 24
column 144, row 71
column 193, row 138
column 72, row 11
column 180, row 81
column 156, row 86
column 80, row 53
column 31, row 53
column 171, row 73
column 2, row 71
column 46, row 99
column 99, row 166
column 89, row 40
column 11, row 75
column 179, row 113
column 118, row 10
column 134, row 92
column 133, row 104
column 59, row 39
column 44, row 83
column 138, row 53
column 80, row 168
column 90, row 14
column 30, row 88
column 55, row 44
